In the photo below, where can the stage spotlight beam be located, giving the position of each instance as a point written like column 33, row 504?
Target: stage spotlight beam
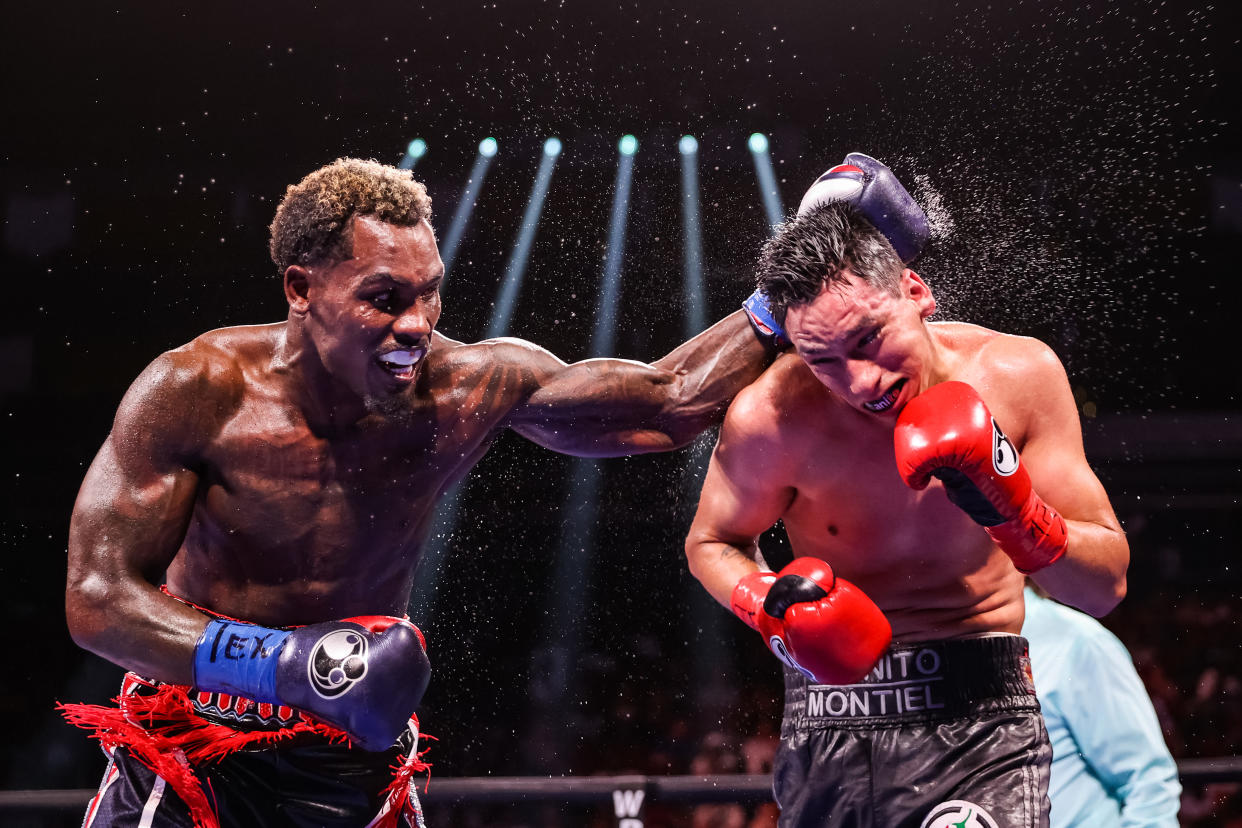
column 515, row 268
column 692, row 237
column 561, row 639
column 603, row 340
column 465, row 207
column 758, row 144
column 448, row 512
column 703, row 623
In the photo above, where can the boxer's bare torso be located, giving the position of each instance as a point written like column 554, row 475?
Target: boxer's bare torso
column 932, row 570
column 293, row 523
column 811, row 444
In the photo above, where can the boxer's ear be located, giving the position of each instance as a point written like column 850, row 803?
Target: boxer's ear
column 297, row 288
column 916, row 290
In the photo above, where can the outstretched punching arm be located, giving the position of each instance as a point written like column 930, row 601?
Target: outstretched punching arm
column 612, row 407
column 606, row 407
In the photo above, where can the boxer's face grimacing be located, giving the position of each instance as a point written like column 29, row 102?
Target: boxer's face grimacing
column 868, row 346
column 370, row 317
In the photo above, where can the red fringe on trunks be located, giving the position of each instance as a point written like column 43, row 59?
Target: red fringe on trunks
column 164, row 732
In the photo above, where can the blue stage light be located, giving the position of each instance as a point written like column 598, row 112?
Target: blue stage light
column 692, row 240
column 515, row 270
column 628, row 145
column 768, row 188
column 417, row 149
column 688, row 145
column 465, row 205
column 552, row 147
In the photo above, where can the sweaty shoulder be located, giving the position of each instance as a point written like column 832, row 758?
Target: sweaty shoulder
column 767, row 412
column 184, row 393
column 1018, row 356
column 222, row 361
column 1021, row 378
column 495, row 375
column 503, row 355
column 1005, row 355
column 1002, row 358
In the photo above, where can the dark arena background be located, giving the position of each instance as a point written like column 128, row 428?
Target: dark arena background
column 1082, row 165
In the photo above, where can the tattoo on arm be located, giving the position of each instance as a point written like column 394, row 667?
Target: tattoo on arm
column 491, row 387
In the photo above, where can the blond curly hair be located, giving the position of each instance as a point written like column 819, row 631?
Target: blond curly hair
column 312, row 223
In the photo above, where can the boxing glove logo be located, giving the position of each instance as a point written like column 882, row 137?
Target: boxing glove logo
column 1004, row 455
column 777, row 645
column 844, row 182
column 958, row 813
column 337, row 662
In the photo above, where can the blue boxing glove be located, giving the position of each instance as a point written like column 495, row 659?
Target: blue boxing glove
column 761, row 319
column 879, row 196
column 365, row 675
column 875, row 191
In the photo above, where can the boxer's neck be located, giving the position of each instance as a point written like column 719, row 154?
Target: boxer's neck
column 944, row 357
column 326, row 403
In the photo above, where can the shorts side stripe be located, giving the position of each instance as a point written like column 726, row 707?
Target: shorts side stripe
column 153, row 802
column 110, row 775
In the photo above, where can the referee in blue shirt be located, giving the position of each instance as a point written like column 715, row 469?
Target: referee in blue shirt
column 1110, row 766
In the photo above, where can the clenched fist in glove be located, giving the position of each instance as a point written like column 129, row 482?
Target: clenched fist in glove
column 947, row 432
column 817, row 623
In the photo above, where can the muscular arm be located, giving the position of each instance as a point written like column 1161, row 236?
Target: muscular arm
column 129, row 521
column 744, row 493
column 1092, row 573
column 611, row 407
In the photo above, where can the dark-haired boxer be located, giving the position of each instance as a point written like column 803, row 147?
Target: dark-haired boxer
column 879, row 444
column 280, row 480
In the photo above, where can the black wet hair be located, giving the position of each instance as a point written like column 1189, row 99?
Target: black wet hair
column 314, row 220
column 812, row 250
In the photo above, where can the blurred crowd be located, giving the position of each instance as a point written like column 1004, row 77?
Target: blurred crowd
column 1185, row 648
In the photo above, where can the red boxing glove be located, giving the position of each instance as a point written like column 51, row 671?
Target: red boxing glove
column 947, row 432
column 748, row 596
column 820, row 625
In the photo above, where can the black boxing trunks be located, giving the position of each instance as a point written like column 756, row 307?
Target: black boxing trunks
column 940, row 733
column 182, row 759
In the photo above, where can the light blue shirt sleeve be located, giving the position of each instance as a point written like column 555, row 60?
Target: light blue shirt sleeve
column 1095, row 694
